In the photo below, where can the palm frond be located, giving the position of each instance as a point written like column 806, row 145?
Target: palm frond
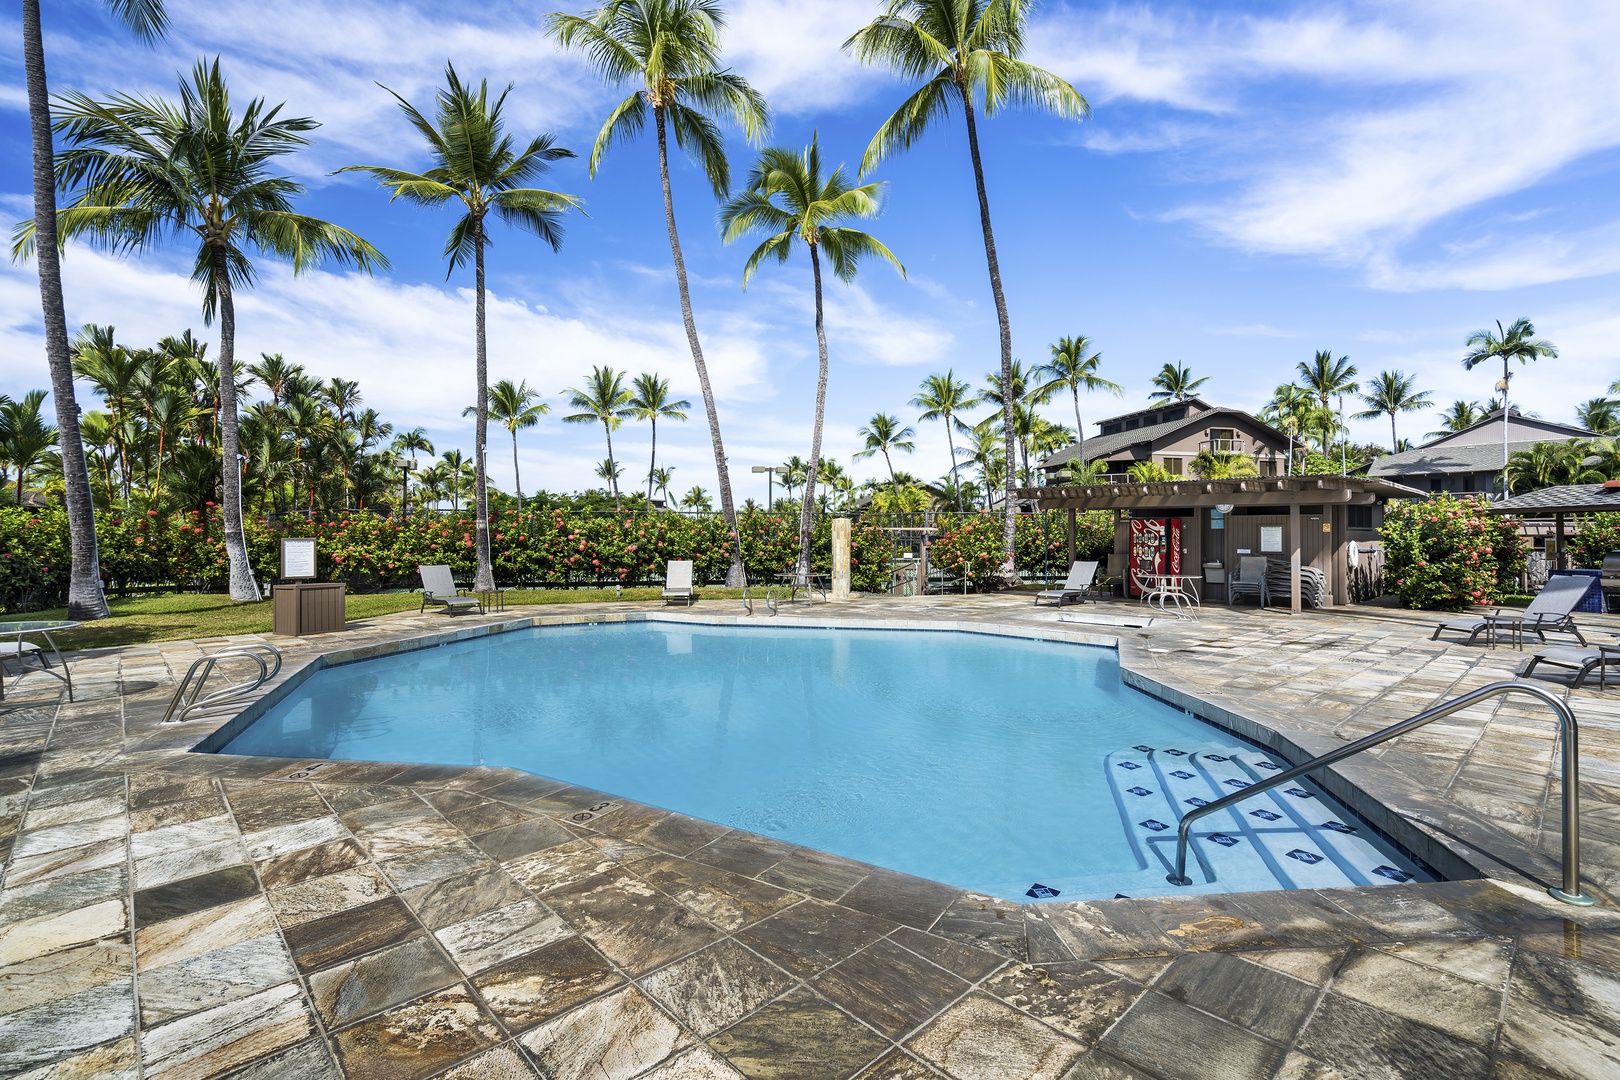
column 1002, row 82
column 845, row 249
column 534, row 211
column 623, row 124
column 146, row 19
column 412, row 187
column 931, row 101
column 700, row 138
column 780, row 245
column 307, row 241
column 461, row 247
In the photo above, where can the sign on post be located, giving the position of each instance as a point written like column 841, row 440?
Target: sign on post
column 297, row 558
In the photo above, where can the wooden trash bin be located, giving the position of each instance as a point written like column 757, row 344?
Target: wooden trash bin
column 312, row 608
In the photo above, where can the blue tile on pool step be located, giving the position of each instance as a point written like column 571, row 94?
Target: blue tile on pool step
column 1392, row 873
column 1338, row 826
column 1139, row 791
column 1264, row 815
column 1196, row 801
column 1154, row 824
column 1182, row 774
column 1129, row 765
column 1299, row 793
column 1310, row 858
column 1223, row 840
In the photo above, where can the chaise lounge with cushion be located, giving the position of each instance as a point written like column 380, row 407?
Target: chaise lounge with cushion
column 1582, row 661
column 1075, row 590
column 1551, row 611
column 438, row 587
column 678, row 583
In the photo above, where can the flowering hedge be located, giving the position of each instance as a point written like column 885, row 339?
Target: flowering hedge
column 1040, row 542
column 1597, row 536
column 1447, row 553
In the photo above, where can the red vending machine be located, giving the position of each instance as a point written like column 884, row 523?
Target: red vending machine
column 1155, row 549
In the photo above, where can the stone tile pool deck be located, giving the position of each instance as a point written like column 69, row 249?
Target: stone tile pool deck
column 172, row 914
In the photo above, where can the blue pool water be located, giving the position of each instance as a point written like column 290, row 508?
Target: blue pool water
column 971, row 759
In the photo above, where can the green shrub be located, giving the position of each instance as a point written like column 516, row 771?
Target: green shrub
column 1447, row 553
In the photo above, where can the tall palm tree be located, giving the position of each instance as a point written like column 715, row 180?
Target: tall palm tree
column 476, row 162
column 884, row 434
column 147, row 19
column 696, row 500
column 1459, row 416
column 671, row 48
column 1393, row 392
column 605, row 401
column 1601, row 415
column 1074, row 365
column 1175, row 383
column 662, row 478
column 513, row 406
column 968, row 51
column 25, row 436
column 145, row 169
column 1294, row 410
column 1516, row 342
column 456, row 467
column 649, row 399
column 1327, row 378
column 788, row 198
column 941, row 397
column 988, row 453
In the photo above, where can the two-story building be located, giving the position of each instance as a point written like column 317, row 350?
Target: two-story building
column 1469, row 461
column 1171, row 435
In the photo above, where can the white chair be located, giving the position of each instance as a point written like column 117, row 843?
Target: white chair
column 678, row 582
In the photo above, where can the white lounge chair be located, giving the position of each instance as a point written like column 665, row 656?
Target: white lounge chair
column 1552, row 610
column 678, row 582
column 1075, row 590
column 438, row 587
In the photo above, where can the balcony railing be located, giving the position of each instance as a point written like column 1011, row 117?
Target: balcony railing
column 1222, row 446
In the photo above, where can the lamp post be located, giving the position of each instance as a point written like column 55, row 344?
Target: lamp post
column 406, row 467
column 771, row 473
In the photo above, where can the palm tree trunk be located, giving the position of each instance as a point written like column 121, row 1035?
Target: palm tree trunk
column 86, row 600
column 735, row 578
column 893, row 480
column 1079, row 427
column 807, row 508
column 243, row 587
column 517, row 478
column 956, row 482
column 484, row 578
column 1010, row 516
column 1394, row 440
column 613, row 473
column 652, row 461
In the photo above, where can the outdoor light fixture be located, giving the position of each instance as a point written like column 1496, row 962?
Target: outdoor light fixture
column 1225, row 508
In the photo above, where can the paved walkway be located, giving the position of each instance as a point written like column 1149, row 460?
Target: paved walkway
column 172, row 914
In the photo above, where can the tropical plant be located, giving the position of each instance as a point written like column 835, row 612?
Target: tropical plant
column 884, row 434
column 1597, row 536
column 1552, row 464
column 1074, row 366
column 1459, row 416
column 662, row 478
column 1087, row 472
column 26, row 438
column 1516, row 342
column 1448, row 553
column 671, row 48
column 1601, row 415
column 788, row 198
column 603, row 400
column 1390, row 393
column 941, row 397
column 1175, row 383
column 141, row 170
column 477, row 162
column 1293, row 410
column 650, row 399
column 1150, row 472
column 969, row 52
column 988, row 454
column 1219, row 465
column 514, row 406
column 697, row 500
column 147, row 20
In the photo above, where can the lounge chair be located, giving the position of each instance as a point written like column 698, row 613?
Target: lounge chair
column 678, row 582
column 438, row 587
column 1250, row 579
column 1075, row 590
column 1552, row 610
column 1582, row 661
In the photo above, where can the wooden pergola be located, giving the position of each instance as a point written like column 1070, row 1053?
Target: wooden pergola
column 1287, row 495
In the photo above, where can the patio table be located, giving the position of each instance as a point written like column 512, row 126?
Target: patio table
column 28, row 656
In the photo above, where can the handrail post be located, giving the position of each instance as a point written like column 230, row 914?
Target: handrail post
column 1570, row 893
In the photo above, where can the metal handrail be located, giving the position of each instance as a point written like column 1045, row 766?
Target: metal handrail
column 181, row 706
column 1571, row 891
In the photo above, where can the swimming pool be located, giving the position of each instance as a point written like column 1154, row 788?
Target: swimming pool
column 992, row 763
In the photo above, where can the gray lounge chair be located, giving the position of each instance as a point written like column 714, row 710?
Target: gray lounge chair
column 678, row 582
column 1552, row 611
column 1075, row 590
column 438, row 587
column 1250, row 580
column 1582, row 661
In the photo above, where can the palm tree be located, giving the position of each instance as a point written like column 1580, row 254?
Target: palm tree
column 610, row 471
column 941, row 397
column 147, row 19
column 1460, row 416
column 788, row 198
column 696, row 500
column 1175, row 383
column 605, row 401
column 1074, row 365
column 1516, row 342
column 514, row 407
column 885, row 434
column 1326, row 378
column 1392, row 392
column 477, row 162
column 988, row 453
column 144, row 169
column 649, row 399
column 1551, row 464
column 431, row 483
column 1294, row 410
column 455, row 467
column 672, row 49
column 662, row 478
column 1601, row 415
column 1219, row 465
column 967, row 50
column 25, row 437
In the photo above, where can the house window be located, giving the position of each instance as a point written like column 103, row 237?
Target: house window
column 1224, row 440
column 1468, row 483
column 1172, row 465
column 1437, row 483
column 1110, row 429
column 1360, row 517
column 1268, row 467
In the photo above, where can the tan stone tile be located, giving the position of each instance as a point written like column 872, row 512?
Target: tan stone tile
column 623, row 1034
column 63, row 973
column 209, row 1043
column 49, row 933
column 981, row 1039
column 325, row 895
column 202, row 932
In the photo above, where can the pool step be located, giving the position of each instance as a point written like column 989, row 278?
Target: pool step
column 1296, row 837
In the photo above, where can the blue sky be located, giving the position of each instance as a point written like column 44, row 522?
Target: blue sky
column 1258, row 181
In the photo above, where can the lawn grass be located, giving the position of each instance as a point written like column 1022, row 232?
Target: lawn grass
column 179, row 616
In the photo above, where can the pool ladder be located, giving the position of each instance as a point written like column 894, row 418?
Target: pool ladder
column 189, row 698
column 1570, row 893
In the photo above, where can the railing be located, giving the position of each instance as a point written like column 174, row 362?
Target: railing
column 1222, row 446
column 1571, row 891
column 188, row 696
